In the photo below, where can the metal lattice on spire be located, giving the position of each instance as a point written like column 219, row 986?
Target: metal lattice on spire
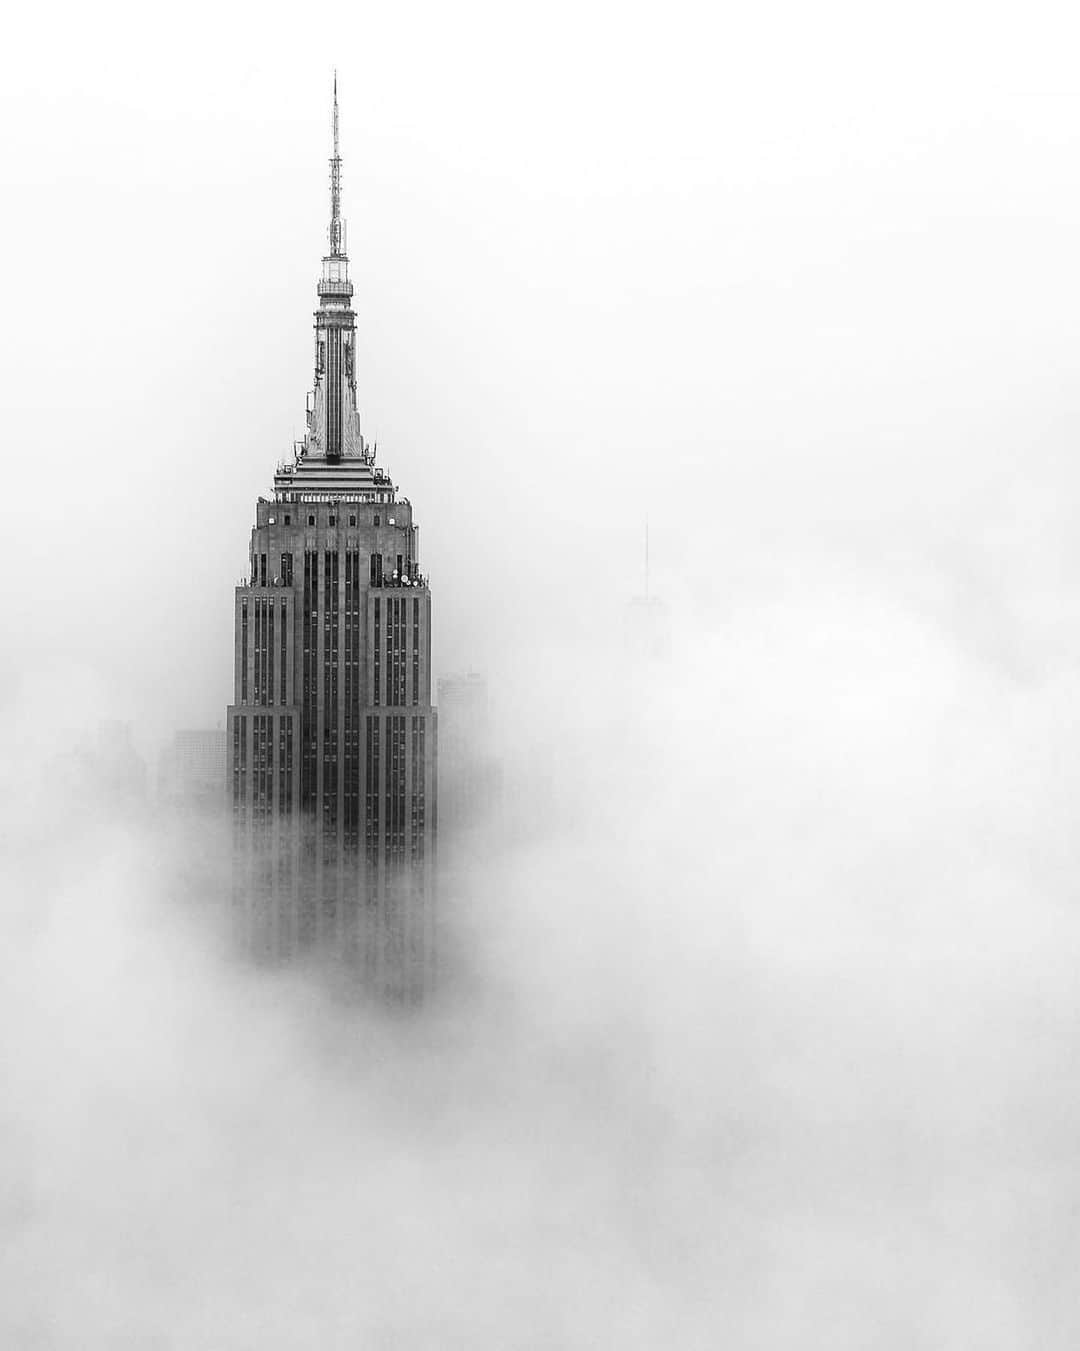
column 336, row 250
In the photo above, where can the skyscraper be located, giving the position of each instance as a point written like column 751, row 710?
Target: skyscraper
column 332, row 734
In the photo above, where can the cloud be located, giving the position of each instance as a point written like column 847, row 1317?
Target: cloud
column 757, row 1029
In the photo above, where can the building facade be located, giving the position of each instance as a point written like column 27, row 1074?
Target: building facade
column 332, row 733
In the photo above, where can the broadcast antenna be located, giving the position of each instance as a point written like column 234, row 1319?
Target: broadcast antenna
column 335, row 186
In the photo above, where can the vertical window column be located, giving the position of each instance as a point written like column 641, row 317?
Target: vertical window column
column 376, row 649
column 333, row 394
column 243, row 651
column 351, row 771
column 419, row 795
column 285, row 764
column 236, row 761
column 240, row 762
column 394, row 823
column 416, row 651
column 371, row 791
column 309, row 695
column 284, row 678
column 330, row 692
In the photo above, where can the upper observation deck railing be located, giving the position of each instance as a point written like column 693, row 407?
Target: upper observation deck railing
column 415, row 583
column 407, row 582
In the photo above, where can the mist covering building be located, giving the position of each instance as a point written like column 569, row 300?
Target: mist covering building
column 332, row 734
column 191, row 770
column 470, row 776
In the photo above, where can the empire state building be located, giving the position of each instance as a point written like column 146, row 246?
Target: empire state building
column 332, row 734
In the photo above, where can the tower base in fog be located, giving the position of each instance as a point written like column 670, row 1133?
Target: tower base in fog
column 331, row 739
column 377, row 929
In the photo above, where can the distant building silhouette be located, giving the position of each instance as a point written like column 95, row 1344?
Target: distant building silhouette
column 105, row 774
column 332, row 734
column 191, row 771
column 118, row 767
column 470, row 777
column 648, row 628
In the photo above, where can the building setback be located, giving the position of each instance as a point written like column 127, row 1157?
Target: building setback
column 332, row 734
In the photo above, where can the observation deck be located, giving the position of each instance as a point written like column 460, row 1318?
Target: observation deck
column 349, row 479
column 335, row 290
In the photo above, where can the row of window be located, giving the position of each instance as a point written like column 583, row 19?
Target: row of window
column 390, row 803
column 262, row 767
column 405, row 572
column 331, row 520
column 398, row 656
column 263, row 652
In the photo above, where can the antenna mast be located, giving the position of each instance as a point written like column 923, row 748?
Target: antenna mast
column 335, row 187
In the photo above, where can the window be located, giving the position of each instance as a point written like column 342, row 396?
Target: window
column 352, row 520
column 288, row 519
column 333, row 520
column 311, row 520
column 375, row 653
column 284, row 644
column 415, row 660
column 376, row 520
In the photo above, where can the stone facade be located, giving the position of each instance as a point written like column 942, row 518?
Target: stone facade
column 332, row 733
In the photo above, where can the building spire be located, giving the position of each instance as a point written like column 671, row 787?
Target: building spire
column 336, row 250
